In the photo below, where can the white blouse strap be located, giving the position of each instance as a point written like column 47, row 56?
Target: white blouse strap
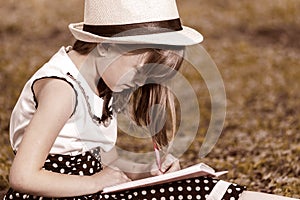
column 219, row 190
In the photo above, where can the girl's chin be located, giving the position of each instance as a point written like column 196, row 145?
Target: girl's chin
column 119, row 89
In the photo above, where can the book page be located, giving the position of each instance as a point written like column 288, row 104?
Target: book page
column 197, row 170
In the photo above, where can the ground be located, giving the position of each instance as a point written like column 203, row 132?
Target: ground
column 255, row 45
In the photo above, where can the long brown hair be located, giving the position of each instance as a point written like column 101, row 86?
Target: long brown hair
column 160, row 64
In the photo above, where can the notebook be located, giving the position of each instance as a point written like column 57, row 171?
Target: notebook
column 193, row 171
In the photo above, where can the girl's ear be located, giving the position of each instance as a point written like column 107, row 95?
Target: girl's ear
column 109, row 51
column 102, row 49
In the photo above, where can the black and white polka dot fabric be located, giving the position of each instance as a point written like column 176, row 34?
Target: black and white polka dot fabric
column 195, row 188
column 90, row 163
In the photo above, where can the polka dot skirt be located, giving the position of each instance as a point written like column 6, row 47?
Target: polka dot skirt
column 195, row 188
column 90, row 163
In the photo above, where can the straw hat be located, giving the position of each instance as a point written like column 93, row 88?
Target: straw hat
column 133, row 21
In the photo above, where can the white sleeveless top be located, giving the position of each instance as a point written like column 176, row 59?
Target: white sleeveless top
column 80, row 133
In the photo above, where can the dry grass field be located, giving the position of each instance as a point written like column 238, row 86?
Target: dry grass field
column 256, row 46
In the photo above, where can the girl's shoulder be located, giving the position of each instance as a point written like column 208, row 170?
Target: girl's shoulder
column 52, row 85
column 52, row 80
column 55, row 92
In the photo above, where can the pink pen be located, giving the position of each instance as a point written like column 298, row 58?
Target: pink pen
column 157, row 156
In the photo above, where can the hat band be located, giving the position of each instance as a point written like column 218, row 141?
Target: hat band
column 144, row 28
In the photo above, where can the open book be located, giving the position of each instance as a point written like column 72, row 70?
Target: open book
column 197, row 170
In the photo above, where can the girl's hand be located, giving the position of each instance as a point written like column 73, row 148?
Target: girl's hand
column 170, row 164
column 110, row 176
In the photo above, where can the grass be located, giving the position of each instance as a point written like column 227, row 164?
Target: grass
column 255, row 46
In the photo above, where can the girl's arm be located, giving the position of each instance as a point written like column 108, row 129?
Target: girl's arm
column 138, row 170
column 56, row 101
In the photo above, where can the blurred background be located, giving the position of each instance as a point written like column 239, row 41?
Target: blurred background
column 256, row 46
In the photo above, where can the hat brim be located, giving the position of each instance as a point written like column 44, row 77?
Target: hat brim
column 185, row 37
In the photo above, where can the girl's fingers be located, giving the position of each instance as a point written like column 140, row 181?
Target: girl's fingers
column 175, row 166
column 170, row 164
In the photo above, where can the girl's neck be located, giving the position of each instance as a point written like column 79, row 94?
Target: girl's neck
column 87, row 69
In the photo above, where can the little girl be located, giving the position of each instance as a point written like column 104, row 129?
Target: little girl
column 63, row 128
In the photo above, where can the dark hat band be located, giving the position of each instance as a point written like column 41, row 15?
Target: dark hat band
column 144, row 28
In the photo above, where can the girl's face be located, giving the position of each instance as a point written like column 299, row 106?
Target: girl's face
column 119, row 75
